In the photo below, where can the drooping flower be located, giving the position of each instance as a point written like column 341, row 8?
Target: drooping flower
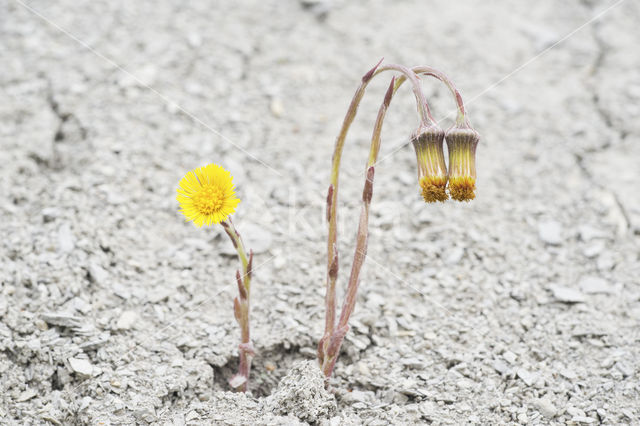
column 432, row 170
column 207, row 195
column 462, row 142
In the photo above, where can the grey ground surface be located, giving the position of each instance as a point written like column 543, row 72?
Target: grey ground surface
column 520, row 307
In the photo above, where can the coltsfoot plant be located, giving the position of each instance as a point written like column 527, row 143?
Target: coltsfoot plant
column 207, row 197
column 437, row 183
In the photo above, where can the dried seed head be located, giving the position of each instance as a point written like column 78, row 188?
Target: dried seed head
column 432, row 170
column 462, row 143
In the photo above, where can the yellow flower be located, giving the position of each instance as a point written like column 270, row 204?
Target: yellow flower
column 206, row 195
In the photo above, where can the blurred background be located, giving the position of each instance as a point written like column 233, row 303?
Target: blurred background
column 520, row 306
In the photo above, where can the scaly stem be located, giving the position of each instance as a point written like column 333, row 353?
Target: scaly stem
column 336, row 338
column 332, row 195
column 241, row 308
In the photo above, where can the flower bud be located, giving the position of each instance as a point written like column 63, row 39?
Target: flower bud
column 462, row 143
column 432, row 170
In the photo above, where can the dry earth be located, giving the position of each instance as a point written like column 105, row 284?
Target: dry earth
column 520, row 307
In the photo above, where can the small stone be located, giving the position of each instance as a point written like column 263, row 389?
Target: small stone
column 607, row 363
column 605, row 262
column 509, row 356
column 454, row 256
column 414, row 363
column 26, row 395
column 277, row 108
column 192, row 416
column 583, row 419
column 625, row 369
column 575, row 412
column 126, row 320
column 546, row 408
column 588, row 233
column 237, row 381
column 527, row 377
column 500, row 366
column 568, row 374
column 566, row 294
column 98, row 274
column 41, row 325
column 627, row 413
column 355, row 396
column 522, row 418
column 159, row 295
column 550, row 232
column 62, row 320
column 592, row 250
column 66, row 241
column 49, row 214
column 591, row 285
column 121, row 291
column 81, row 366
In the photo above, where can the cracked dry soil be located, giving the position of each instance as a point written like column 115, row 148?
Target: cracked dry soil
column 520, row 307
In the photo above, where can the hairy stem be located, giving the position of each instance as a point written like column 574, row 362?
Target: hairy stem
column 336, row 338
column 332, row 195
column 332, row 333
column 241, row 307
column 426, row 70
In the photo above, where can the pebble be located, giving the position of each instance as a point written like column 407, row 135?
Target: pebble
column 454, row 256
column 26, row 395
column 593, row 250
column 355, row 396
column 583, row 419
column 192, row 416
column 566, row 294
column 550, row 232
column 625, row 369
column 66, row 241
column 527, row 377
column 500, row 366
column 98, row 274
column 49, row 214
column 126, row 320
column 591, row 285
column 605, row 263
column 277, row 107
column 546, row 408
column 509, row 356
column 588, row 232
column 81, row 366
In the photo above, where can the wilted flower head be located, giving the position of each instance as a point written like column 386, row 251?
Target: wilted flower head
column 206, row 195
column 432, row 170
column 461, row 143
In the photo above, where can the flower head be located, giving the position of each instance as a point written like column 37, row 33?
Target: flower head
column 462, row 143
column 432, row 171
column 206, row 195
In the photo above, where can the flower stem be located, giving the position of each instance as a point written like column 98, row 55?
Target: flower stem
column 330, row 343
column 241, row 307
column 332, row 195
column 335, row 340
column 461, row 118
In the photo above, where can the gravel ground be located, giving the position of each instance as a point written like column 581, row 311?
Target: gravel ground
column 520, row 307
